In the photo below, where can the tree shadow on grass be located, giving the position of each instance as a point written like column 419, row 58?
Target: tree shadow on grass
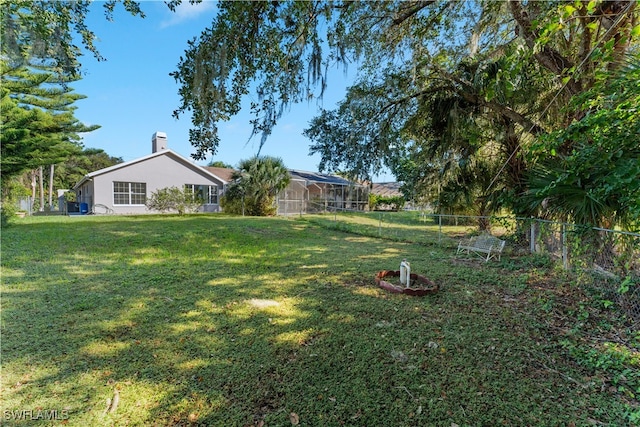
column 143, row 306
column 232, row 321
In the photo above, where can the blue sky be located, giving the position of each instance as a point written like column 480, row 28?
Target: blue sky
column 131, row 94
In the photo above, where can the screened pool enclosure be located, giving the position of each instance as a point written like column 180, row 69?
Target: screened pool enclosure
column 310, row 192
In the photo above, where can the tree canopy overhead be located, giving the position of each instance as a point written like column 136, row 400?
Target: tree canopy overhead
column 47, row 29
column 279, row 51
column 456, row 97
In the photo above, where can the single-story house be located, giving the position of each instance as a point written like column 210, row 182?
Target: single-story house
column 125, row 187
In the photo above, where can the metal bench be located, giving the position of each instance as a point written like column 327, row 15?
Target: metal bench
column 481, row 245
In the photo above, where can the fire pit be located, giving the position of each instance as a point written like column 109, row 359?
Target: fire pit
column 419, row 285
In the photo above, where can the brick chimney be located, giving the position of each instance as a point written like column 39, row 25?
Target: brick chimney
column 158, row 142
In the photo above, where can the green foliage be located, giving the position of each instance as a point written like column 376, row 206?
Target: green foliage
column 619, row 366
column 7, row 212
column 597, row 181
column 378, row 202
column 12, row 190
column 231, row 205
column 235, row 202
column 38, row 125
column 219, row 164
column 265, row 44
column 449, row 94
column 50, row 30
column 257, row 182
column 39, row 58
column 74, row 168
column 173, row 199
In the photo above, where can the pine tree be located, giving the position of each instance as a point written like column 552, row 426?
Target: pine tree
column 38, row 125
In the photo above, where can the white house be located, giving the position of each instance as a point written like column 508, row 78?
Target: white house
column 125, row 187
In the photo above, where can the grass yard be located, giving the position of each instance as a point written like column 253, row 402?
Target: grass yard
column 227, row 321
column 408, row 226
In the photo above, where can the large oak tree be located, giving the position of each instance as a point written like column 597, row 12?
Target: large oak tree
column 456, row 80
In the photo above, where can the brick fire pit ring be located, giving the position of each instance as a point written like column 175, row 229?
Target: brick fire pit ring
column 420, row 285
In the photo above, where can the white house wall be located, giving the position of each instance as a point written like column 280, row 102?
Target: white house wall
column 157, row 172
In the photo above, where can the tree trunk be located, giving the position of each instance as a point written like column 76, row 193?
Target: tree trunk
column 41, row 184
column 51, row 186
column 33, row 186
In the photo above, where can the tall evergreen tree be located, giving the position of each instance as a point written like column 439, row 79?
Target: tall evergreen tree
column 38, row 125
column 39, row 57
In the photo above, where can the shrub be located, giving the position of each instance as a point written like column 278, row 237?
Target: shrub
column 378, row 202
column 173, row 199
column 232, row 202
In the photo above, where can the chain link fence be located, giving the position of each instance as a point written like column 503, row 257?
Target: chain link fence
column 605, row 261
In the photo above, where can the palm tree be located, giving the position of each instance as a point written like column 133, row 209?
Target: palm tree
column 598, row 183
column 258, row 181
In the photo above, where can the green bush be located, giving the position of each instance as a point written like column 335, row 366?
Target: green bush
column 173, row 199
column 232, row 203
column 393, row 203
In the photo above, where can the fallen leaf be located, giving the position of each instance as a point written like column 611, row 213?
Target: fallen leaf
column 295, row 420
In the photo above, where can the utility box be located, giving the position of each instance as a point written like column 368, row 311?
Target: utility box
column 73, row 207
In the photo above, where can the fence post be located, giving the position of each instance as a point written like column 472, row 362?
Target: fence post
column 532, row 237
column 565, row 257
column 439, row 227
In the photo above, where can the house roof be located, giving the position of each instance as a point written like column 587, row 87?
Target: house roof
column 222, row 173
column 165, row 152
column 319, row 177
column 226, row 174
column 386, row 189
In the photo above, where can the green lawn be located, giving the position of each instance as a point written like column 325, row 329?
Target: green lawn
column 216, row 320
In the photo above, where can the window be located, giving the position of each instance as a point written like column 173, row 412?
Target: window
column 129, row 193
column 207, row 193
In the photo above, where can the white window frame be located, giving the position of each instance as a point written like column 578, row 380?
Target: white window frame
column 209, row 192
column 131, row 191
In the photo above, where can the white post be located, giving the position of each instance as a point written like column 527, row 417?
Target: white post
column 565, row 255
column 532, row 237
column 405, row 273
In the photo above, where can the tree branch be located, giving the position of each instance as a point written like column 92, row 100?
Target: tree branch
column 468, row 93
column 549, row 58
column 412, row 11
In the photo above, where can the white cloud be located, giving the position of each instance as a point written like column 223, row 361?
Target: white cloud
column 187, row 12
